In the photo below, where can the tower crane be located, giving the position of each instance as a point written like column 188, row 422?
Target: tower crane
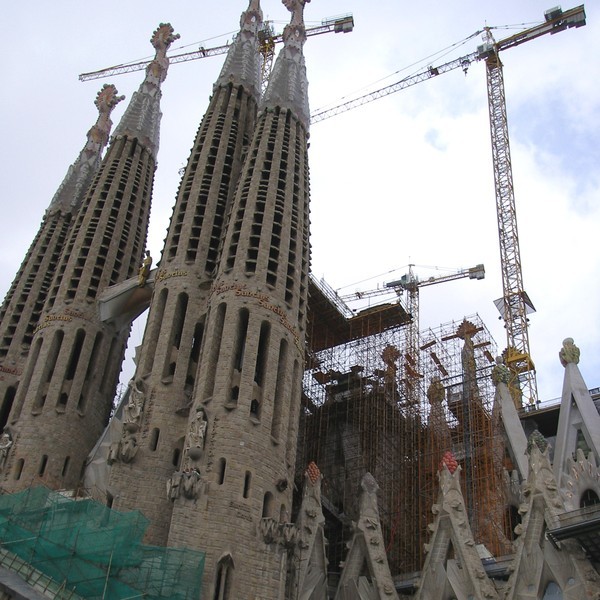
column 515, row 304
column 411, row 284
column 267, row 40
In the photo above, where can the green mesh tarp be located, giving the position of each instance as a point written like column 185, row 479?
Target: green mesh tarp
column 97, row 552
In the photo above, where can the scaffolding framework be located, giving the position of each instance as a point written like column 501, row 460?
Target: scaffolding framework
column 358, row 417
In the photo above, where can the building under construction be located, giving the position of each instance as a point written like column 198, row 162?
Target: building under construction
column 365, row 409
column 278, row 445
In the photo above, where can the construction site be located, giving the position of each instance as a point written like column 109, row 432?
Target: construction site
column 278, row 439
column 369, row 405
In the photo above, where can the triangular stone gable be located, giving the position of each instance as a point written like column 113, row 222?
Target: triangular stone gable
column 453, row 566
column 579, row 421
column 310, row 581
column 366, row 573
column 515, row 438
column 538, row 563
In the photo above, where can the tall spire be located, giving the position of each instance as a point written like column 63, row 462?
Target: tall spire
column 288, row 85
column 170, row 351
column 69, row 377
column 20, row 312
column 142, row 117
column 242, row 65
column 80, row 173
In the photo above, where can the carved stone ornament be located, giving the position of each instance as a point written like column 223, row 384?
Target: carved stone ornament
column 128, row 446
column 569, row 353
column 500, row 372
column 6, row 443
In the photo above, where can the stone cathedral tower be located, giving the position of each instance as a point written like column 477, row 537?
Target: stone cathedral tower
column 208, row 439
column 161, row 393
column 241, row 439
column 22, row 307
column 65, row 392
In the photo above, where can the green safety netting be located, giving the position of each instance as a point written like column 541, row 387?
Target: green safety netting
column 95, row 551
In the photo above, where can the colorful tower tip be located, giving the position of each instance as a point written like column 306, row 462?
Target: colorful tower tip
column 107, row 98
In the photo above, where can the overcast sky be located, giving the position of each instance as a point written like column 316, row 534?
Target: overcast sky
column 405, row 179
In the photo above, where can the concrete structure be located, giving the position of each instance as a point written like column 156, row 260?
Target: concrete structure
column 247, row 364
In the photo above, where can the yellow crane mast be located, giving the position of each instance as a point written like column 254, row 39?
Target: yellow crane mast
column 514, row 304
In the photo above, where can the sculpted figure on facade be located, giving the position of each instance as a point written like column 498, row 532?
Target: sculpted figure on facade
column 174, row 485
column 135, row 405
column 197, row 435
column 6, row 443
column 191, row 482
column 144, row 270
column 128, row 446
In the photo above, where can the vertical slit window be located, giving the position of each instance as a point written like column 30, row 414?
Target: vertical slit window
column 221, row 473
column 75, row 354
column 279, row 390
column 240, row 342
column 261, row 356
column 215, row 350
column 19, row 469
column 43, row 465
column 247, row 481
column 154, row 439
column 157, row 317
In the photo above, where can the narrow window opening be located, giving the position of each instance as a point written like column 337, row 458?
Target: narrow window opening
column 176, row 456
column 235, row 393
column 223, row 582
column 75, row 354
column 261, row 357
column 268, row 505
column 240, row 346
column 43, row 465
column 62, row 400
column 19, row 468
column 247, row 480
column 65, row 468
column 154, row 439
column 222, row 467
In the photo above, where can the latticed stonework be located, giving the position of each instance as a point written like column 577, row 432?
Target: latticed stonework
column 64, row 397
column 357, row 418
column 170, row 350
column 22, row 308
column 250, row 371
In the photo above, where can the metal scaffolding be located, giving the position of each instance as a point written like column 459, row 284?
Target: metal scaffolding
column 358, row 417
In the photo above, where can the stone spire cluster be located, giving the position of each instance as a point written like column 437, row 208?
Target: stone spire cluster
column 22, row 307
column 222, row 356
column 68, row 380
column 203, row 442
column 170, row 352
